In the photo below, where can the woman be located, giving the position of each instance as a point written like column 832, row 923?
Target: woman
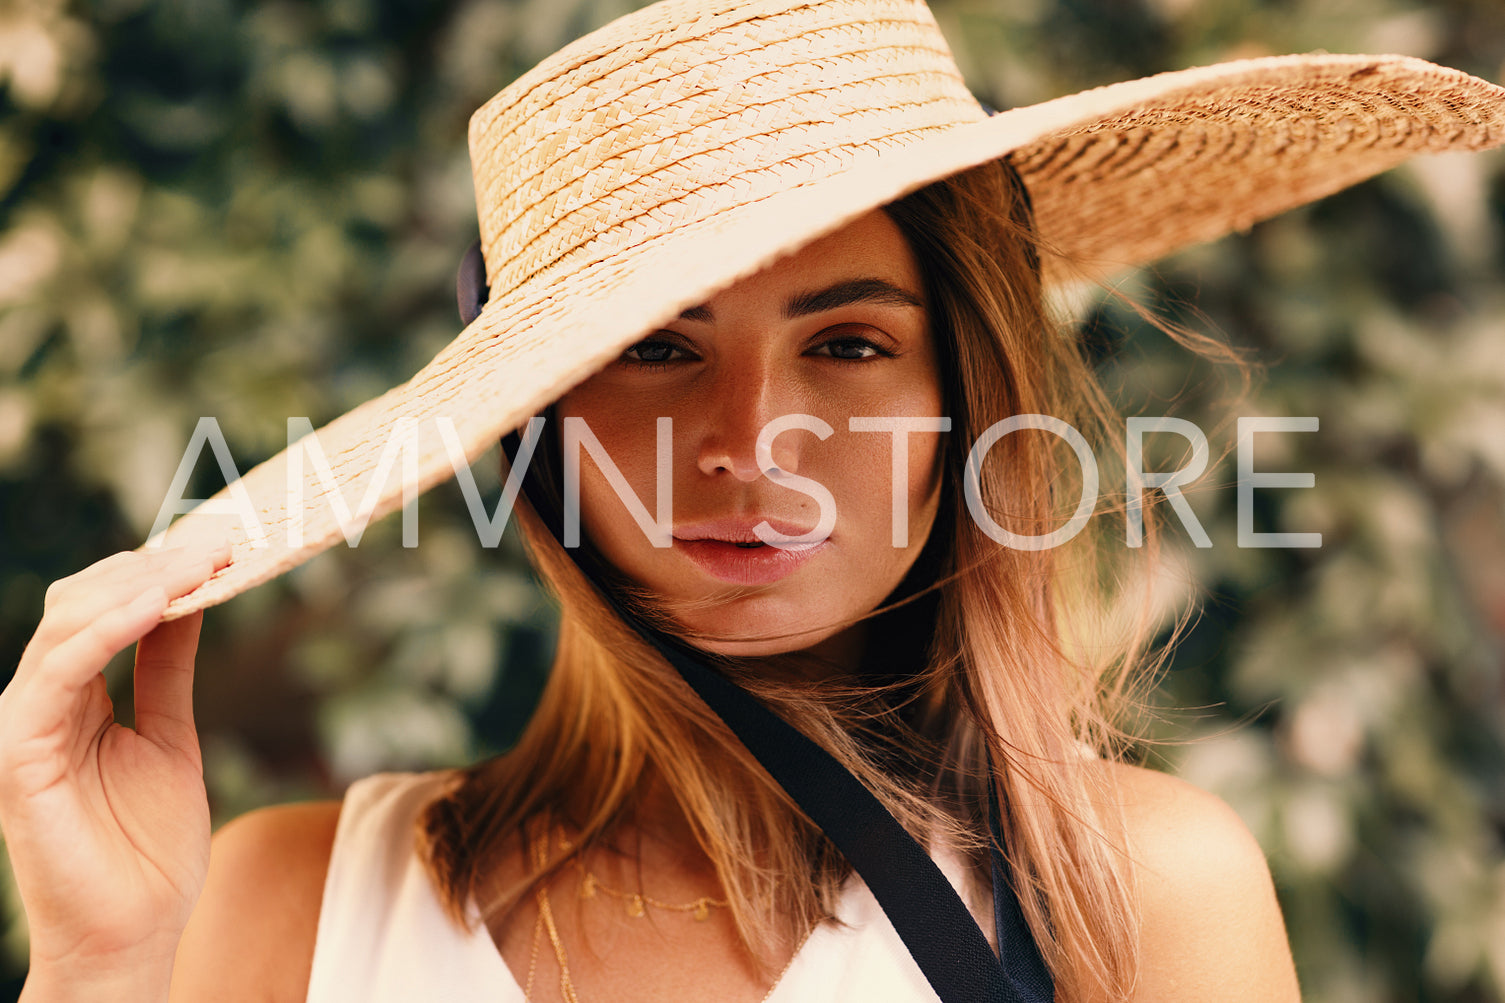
column 921, row 655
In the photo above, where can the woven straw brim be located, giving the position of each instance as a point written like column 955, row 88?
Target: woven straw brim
column 1119, row 176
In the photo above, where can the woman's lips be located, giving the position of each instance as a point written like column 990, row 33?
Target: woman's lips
column 740, row 564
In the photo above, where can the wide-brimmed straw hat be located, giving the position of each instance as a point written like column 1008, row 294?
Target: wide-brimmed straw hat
column 685, row 146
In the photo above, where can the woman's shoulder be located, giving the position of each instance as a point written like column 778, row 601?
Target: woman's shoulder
column 1211, row 927
column 1164, row 814
column 252, row 931
column 256, row 922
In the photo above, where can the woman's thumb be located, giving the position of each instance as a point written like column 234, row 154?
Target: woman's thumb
column 164, row 683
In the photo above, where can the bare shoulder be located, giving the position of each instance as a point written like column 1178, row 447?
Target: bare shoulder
column 1212, row 927
column 252, row 933
column 1167, row 816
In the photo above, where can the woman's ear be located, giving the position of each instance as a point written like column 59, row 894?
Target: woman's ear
column 470, row 284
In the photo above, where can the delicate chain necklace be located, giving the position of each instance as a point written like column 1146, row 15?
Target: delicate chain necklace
column 636, row 901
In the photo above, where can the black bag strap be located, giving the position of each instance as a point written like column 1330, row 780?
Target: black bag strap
column 1022, row 964
column 931, row 919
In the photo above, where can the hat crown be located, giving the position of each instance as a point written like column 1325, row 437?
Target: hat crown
column 687, row 109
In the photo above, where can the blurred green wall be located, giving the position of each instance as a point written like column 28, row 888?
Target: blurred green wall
column 253, row 210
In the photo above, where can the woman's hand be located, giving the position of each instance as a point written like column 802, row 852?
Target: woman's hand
column 107, row 828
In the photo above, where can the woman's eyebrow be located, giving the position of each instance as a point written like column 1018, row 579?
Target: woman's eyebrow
column 848, row 293
column 845, row 293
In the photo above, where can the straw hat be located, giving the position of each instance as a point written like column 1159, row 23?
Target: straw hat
column 682, row 147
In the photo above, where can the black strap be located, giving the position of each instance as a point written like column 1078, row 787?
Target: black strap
column 931, row 919
column 1022, row 964
column 470, row 283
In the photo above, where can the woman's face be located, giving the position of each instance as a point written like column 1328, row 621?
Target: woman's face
column 836, row 331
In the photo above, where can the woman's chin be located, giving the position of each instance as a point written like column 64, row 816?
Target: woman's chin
column 764, row 642
column 835, row 646
column 757, row 647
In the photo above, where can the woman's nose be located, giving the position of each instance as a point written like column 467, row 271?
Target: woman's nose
column 737, row 409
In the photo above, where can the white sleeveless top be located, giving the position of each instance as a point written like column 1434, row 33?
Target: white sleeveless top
column 384, row 938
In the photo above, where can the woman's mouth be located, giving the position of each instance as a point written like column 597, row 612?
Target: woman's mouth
column 734, row 555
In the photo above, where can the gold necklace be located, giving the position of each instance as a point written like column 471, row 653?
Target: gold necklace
column 635, row 901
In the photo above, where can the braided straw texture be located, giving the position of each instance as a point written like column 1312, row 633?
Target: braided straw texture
column 644, row 131
column 683, row 147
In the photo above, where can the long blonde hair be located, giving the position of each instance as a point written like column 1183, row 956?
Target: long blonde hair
column 998, row 668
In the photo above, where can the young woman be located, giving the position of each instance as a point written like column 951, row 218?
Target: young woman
column 731, row 249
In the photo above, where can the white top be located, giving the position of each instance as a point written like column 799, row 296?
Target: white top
column 384, row 938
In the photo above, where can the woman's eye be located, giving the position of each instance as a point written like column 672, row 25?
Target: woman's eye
column 653, row 352
column 849, row 349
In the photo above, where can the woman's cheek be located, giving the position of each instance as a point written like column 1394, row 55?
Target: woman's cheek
column 628, row 439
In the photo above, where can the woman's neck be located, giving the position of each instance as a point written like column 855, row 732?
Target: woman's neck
column 836, row 659
column 656, row 844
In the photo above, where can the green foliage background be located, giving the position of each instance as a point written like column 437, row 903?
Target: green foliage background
column 253, row 210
